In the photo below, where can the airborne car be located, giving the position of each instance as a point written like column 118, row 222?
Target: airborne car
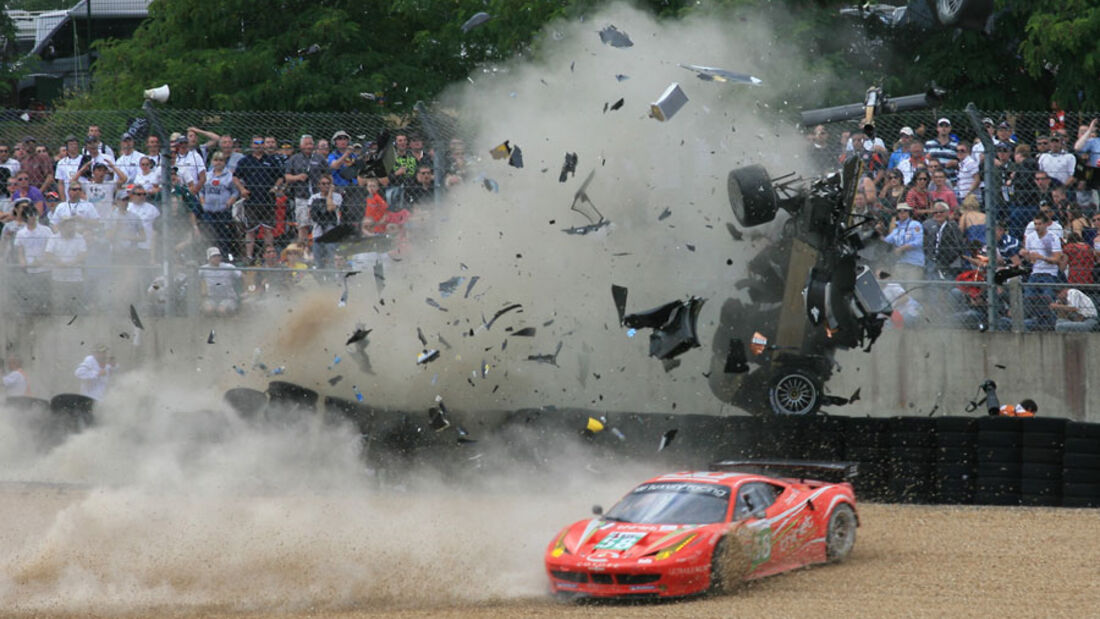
column 691, row 532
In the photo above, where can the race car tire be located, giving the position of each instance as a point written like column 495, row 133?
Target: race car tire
column 794, row 392
column 962, row 13
column 1081, row 461
column 1042, row 439
column 956, row 439
column 840, row 536
column 752, row 195
column 1039, row 455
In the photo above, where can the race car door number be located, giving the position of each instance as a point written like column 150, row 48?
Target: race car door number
column 619, row 541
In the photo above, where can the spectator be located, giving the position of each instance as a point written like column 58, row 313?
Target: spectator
column 66, row 252
column 1044, row 250
column 190, row 165
column 99, row 190
column 68, row 166
column 917, row 195
column 343, row 156
column 148, row 214
column 907, row 237
column 218, row 284
column 30, row 247
column 969, row 173
column 260, row 175
column 1075, row 310
column 943, row 244
column 1088, row 147
column 95, row 372
column 942, row 148
column 215, row 219
column 1058, row 163
column 1079, row 260
column 303, row 171
column 326, row 211
column 917, row 160
column 94, row 132
column 129, row 160
column 15, row 381
column 972, row 220
column 8, row 162
column 423, row 192
column 148, row 177
column 24, row 189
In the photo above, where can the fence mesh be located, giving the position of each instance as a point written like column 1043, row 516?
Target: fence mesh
column 162, row 263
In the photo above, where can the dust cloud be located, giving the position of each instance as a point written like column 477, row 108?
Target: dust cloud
column 172, row 501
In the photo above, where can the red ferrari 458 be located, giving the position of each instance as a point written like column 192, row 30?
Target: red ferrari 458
column 690, row 532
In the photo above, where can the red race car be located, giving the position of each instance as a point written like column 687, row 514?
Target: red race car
column 686, row 533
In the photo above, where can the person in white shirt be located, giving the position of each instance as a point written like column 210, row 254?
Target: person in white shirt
column 218, row 285
column 95, row 372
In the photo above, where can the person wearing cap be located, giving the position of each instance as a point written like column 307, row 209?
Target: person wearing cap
column 218, row 283
column 66, row 252
column 128, row 160
column 259, row 175
column 342, row 156
column 189, row 165
column 95, row 372
column 907, row 237
column 1058, row 163
column 942, row 147
column 303, row 171
column 69, row 165
column 95, row 132
column 30, row 250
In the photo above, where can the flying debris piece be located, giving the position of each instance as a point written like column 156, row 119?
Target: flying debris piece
column 501, row 151
column 551, row 359
column 135, row 319
column 617, row 105
column 665, row 214
column 525, row 332
column 437, row 417
column 463, row 436
column 427, row 356
column 666, row 439
column 476, row 20
column 736, row 361
column 618, row 294
column 614, row 37
column 359, row 335
column 210, row 338
column 622, row 78
column 335, row 379
column 594, row 425
column 670, row 102
column 516, row 159
column 470, row 286
column 433, row 303
column 715, row 74
column 448, row 287
column 673, row 324
column 569, row 166
column 71, row 321
column 501, row 312
column 734, row 232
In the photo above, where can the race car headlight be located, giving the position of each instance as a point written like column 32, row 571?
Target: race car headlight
column 559, row 546
column 671, row 550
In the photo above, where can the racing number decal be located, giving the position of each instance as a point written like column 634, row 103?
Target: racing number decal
column 619, row 541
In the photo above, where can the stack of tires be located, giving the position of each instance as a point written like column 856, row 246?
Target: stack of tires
column 867, row 442
column 955, row 457
column 999, row 461
column 1041, row 461
column 912, row 441
column 1081, row 465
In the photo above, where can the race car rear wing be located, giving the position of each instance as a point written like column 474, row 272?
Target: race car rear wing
column 799, row 469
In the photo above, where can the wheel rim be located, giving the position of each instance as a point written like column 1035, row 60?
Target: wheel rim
column 795, row 394
column 841, row 533
column 949, row 7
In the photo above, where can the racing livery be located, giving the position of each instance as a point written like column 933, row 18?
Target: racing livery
column 690, row 532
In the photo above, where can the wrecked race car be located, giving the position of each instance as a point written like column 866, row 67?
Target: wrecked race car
column 810, row 294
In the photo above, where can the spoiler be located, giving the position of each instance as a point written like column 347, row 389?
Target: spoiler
column 801, row 469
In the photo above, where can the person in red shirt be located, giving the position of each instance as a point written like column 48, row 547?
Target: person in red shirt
column 1079, row 259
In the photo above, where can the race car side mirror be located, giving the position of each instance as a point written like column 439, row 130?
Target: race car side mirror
column 596, row 509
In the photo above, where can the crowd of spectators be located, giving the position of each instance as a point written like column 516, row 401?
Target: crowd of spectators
column 85, row 212
column 924, row 195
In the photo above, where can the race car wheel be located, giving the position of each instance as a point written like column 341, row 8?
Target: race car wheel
column 794, row 392
column 841, row 536
column 752, row 195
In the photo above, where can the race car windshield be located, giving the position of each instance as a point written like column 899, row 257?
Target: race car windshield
column 673, row 503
